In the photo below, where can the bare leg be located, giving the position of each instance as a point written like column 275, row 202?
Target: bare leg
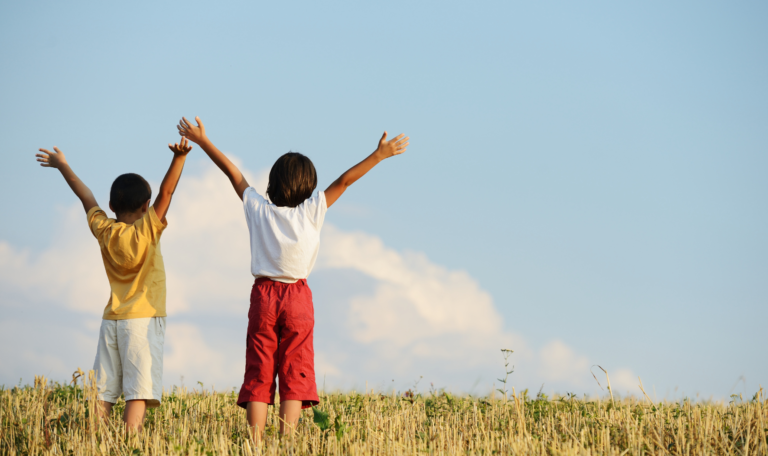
column 290, row 411
column 256, row 414
column 134, row 414
column 104, row 408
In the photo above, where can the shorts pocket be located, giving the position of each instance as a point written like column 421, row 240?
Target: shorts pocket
column 300, row 369
column 296, row 367
column 159, row 326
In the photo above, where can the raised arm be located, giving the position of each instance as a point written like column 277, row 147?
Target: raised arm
column 171, row 179
column 386, row 149
column 196, row 134
column 57, row 160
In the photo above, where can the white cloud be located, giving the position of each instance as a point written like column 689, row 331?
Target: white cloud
column 69, row 272
column 558, row 362
column 417, row 306
column 625, row 381
column 393, row 314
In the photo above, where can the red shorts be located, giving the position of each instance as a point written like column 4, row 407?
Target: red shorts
column 281, row 323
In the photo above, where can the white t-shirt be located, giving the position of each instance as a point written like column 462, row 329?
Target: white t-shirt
column 284, row 240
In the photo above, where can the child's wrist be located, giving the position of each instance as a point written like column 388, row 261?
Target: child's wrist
column 204, row 140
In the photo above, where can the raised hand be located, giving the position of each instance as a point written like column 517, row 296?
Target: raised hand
column 386, row 149
column 181, row 148
column 57, row 160
column 50, row 159
column 171, row 179
column 393, row 147
column 194, row 133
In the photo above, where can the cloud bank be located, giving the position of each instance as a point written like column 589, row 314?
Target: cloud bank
column 385, row 318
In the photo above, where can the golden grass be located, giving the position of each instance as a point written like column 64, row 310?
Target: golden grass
column 50, row 418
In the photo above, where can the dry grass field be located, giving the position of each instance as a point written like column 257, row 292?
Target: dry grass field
column 50, row 418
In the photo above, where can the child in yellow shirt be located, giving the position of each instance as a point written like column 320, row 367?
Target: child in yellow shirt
column 129, row 357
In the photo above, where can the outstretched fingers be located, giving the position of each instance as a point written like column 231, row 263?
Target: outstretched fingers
column 184, row 145
column 394, row 146
column 190, row 131
column 400, row 143
column 44, row 158
column 184, row 127
column 181, row 147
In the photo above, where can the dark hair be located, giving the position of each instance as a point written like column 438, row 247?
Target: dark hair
column 292, row 180
column 128, row 193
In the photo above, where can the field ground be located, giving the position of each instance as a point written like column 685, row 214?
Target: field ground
column 51, row 418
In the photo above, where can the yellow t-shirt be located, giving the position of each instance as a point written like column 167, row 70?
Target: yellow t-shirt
column 134, row 264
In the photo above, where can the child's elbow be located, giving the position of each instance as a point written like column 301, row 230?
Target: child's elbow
column 165, row 194
column 346, row 181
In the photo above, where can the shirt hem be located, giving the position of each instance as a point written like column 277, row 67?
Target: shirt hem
column 277, row 279
column 133, row 316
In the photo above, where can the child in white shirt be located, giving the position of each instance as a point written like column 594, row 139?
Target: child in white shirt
column 285, row 238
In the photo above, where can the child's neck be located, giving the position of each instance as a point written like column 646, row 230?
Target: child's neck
column 129, row 218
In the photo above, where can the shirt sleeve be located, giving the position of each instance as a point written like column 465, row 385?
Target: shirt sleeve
column 98, row 221
column 252, row 200
column 158, row 226
column 150, row 225
column 318, row 209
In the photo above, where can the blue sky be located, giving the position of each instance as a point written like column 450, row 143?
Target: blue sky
column 597, row 170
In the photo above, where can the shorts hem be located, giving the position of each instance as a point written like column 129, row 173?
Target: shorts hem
column 305, row 403
column 151, row 401
column 103, row 398
column 242, row 402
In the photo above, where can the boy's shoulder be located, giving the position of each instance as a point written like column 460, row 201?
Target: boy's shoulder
column 105, row 229
column 97, row 218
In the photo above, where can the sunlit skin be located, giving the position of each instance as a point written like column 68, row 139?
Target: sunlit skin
column 290, row 410
column 135, row 410
column 56, row 159
column 386, row 149
column 134, row 414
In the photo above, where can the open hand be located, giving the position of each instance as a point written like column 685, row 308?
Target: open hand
column 393, row 147
column 192, row 132
column 50, row 159
column 181, row 148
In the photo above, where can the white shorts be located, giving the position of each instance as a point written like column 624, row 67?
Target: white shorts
column 129, row 360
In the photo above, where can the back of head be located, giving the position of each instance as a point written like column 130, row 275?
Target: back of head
column 292, row 180
column 128, row 193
